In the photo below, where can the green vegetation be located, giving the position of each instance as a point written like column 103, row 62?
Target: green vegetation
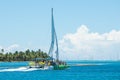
column 27, row 55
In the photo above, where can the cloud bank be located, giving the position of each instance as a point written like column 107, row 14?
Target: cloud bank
column 87, row 45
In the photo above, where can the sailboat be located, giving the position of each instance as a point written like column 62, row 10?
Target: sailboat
column 54, row 43
column 52, row 61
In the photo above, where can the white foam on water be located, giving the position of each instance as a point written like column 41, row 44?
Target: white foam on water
column 24, row 69
column 18, row 69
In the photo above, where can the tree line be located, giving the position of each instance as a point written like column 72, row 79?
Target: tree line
column 27, row 55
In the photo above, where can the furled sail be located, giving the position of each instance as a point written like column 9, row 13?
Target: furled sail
column 54, row 42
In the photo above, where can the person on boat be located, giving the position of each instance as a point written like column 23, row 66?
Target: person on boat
column 48, row 63
column 31, row 64
column 42, row 64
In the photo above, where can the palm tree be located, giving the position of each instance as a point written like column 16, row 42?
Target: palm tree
column 2, row 50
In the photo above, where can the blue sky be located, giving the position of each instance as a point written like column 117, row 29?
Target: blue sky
column 27, row 23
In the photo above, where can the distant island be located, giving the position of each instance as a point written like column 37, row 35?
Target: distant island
column 27, row 55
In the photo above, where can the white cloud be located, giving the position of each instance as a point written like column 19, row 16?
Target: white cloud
column 10, row 48
column 84, row 44
column 0, row 47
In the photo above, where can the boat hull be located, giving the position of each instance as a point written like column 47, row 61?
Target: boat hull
column 60, row 67
column 42, row 68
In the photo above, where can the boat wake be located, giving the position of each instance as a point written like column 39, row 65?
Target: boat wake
column 24, row 69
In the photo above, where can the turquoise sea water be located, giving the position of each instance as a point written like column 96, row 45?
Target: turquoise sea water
column 96, row 70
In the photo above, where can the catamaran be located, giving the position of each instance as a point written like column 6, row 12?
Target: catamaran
column 52, row 62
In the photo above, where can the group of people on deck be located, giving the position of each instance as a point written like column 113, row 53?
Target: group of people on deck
column 42, row 63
